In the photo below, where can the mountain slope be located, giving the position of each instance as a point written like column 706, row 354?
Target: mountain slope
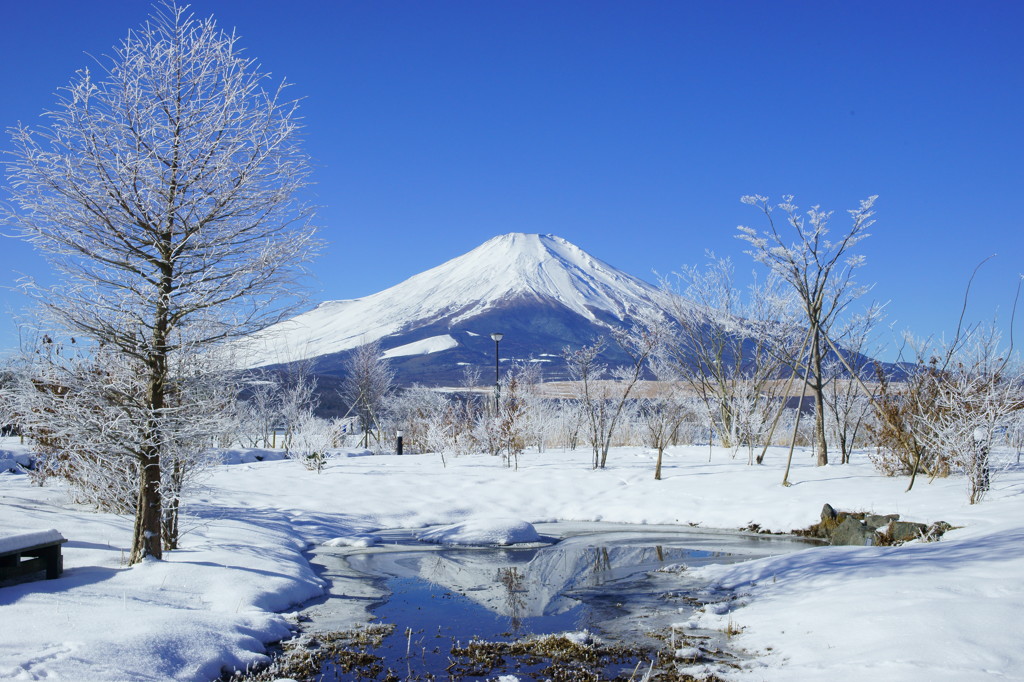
column 541, row 291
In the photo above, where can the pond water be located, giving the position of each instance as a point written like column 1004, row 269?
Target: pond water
column 616, row 584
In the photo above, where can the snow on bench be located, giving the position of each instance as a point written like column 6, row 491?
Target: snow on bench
column 28, row 553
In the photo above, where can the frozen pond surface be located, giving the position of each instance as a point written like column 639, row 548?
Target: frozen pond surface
column 618, row 582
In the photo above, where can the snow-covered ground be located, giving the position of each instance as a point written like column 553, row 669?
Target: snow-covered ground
column 949, row 610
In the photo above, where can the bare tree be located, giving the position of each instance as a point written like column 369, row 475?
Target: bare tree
column 663, row 410
column 164, row 193
column 957, row 397
column 820, row 272
column 731, row 344
column 430, row 421
column 603, row 395
column 513, row 420
column 974, row 393
column 260, row 410
column 296, row 398
column 1015, row 432
column 902, row 409
column 82, row 408
column 847, row 404
column 367, row 381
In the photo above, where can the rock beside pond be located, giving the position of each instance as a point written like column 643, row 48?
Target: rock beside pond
column 861, row 528
column 852, row 532
column 901, row 531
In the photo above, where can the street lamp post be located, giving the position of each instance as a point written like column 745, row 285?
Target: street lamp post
column 497, row 336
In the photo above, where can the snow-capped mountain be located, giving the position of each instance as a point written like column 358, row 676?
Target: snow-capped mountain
column 540, row 291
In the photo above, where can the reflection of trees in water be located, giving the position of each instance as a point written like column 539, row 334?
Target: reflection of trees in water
column 601, row 564
column 601, row 560
column 513, row 580
column 440, row 568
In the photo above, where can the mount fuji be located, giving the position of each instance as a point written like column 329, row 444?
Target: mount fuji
column 542, row 292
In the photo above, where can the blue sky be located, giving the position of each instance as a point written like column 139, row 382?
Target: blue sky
column 628, row 128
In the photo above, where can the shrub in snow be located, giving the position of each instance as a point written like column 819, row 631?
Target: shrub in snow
column 310, row 440
column 958, row 402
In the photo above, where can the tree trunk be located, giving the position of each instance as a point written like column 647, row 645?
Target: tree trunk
column 170, row 524
column 819, row 398
column 146, row 540
column 657, row 468
column 819, row 426
column 171, row 503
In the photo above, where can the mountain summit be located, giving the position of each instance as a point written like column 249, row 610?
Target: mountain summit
column 541, row 291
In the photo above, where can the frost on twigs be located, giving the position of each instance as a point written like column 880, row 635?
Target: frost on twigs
column 820, row 273
column 163, row 191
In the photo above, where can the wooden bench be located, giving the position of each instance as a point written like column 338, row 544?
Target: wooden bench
column 28, row 553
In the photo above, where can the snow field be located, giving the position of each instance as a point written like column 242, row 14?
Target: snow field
column 946, row 610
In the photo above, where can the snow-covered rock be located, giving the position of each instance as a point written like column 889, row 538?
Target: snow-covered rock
column 485, row 531
column 360, row 540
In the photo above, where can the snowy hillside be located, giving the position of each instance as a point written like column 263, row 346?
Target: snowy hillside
column 510, row 270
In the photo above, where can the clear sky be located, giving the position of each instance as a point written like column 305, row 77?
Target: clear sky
column 628, row 128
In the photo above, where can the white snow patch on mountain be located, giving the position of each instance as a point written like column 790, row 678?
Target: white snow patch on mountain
column 435, row 344
column 503, row 269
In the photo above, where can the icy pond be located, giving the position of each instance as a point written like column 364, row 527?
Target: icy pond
column 621, row 585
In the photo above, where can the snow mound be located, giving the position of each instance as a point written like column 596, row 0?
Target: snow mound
column 498, row 531
column 14, row 463
column 353, row 541
column 13, row 543
column 582, row 638
column 250, row 456
column 15, row 456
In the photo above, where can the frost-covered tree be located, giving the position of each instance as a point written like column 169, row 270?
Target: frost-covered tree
column 447, row 429
column 8, row 380
column 297, row 397
column 527, row 415
column 663, row 410
column 258, row 412
column 975, row 391
column 368, row 379
column 311, row 439
column 429, row 421
column 82, row 407
column 603, row 394
column 1015, row 432
column 513, row 419
column 754, row 410
column 76, row 407
column 163, row 191
column 820, row 271
column 569, row 418
column 848, row 398
column 732, row 344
